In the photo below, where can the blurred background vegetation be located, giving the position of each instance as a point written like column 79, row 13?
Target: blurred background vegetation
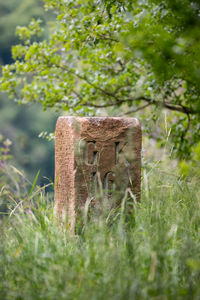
column 23, row 124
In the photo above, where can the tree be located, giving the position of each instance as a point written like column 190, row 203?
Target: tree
column 13, row 13
column 120, row 54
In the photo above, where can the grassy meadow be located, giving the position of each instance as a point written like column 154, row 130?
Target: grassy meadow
column 152, row 252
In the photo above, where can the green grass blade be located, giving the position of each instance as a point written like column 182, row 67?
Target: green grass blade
column 33, row 185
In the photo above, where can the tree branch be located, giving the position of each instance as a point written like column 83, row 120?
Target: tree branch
column 180, row 108
column 118, row 102
column 104, row 37
column 137, row 109
column 165, row 103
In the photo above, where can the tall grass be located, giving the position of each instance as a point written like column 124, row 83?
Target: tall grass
column 151, row 252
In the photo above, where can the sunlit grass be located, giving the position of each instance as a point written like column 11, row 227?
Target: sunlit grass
column 151, row 252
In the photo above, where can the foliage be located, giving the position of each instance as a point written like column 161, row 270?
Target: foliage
column 191, row 167
column 12, row 181
column 152, row 253
column 123, row 55
column 23, row 125
column 16, row 191
column 12, row 14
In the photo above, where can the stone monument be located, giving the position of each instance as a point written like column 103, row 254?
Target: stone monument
column 93, row 154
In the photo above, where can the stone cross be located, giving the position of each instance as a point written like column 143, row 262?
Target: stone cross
column 93, row 154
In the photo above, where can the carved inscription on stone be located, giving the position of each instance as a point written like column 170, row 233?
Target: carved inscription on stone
column 92, row 157
column 95, row 154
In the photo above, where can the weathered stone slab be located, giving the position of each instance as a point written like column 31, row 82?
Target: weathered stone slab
column 92, row 154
